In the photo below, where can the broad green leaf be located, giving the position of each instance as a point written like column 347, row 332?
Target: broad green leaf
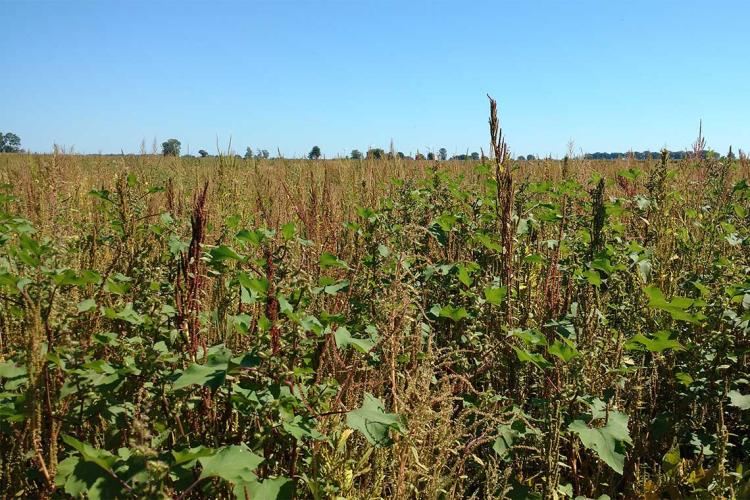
column 592, row 277
column 344, row 339
column 234, row 463
column 185, row 456
column 223, row 252
column 212, row 374
column 86, row 305
column 288, row 230
column 563, row 351
column 661, row 341
column 676, row 308
column 456, row 314
column 280, row 488
column 530, row 337
column 684, row 378
column 506, row 435
column 102, row 458
column 738, row 400
column 495, row 295
column 372, row 421
column 329, row 260
column 9, row 369
column 608, row 441
column 116, row 287
column 536, row 359
column 79, row 478
column 128, row 314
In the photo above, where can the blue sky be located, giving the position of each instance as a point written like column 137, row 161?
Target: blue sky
column 608, row 75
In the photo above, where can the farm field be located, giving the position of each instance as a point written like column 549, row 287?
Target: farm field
column 270, row 328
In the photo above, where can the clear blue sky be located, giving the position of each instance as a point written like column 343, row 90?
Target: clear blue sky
column 609, row 75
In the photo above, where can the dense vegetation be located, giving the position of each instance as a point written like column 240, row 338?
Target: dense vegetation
column 183, row 328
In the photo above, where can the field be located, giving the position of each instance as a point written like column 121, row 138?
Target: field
column 198, row 328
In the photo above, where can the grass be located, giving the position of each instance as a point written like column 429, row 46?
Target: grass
column 202, row 328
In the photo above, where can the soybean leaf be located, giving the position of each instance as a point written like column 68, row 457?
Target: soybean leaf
column 234, row 463
column 608, row 441
column 741, row 401
column 280, row 488
column 344, row 339
column 329, row 260
column 495, row 295
column 536, row 359
column 372, row 421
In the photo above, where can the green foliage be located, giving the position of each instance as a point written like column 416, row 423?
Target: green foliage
column 607, row 441
column 373, row 422
column 313, row 331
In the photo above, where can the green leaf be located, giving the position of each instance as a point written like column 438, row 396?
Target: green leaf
column 78, row 478
column 495, row 295
column 335, row 288
column 223, row 252
column 280, row 488
column 661, row 341
column 344, row 339
column 329, row 260
column 456, row 314
column 9, row 369
column 185, row 456
column 644, row 270
column 102, row 458
column 128, row 314
column 563, row 351
column 536, row 359
column 116, row 287
column 739, row 400
column 288, row 230
column 530, row 337
column 607, row 442
column 676, row 308
column 671, row 459
column 372, row 421
column 592, row 277
column 506, row 435
column 684, row 378
column 212, row 374
column 234, row 463
column 86, row 305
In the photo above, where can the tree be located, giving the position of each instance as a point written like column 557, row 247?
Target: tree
column 203, row 153
column 356, row 154
column 419, row 156
column 375, row 154
column 530, row 158
column 171, row 147
column 430, row 156
column 314, row 153
column 249, row 153
column 262, row 153
column 443, row 154
column 475, row 156
column 400, row 155
column 9, row 143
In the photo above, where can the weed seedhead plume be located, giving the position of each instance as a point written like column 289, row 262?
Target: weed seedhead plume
column 598, row 215
column 190, row 277
column 700, row 143
column 505, row 195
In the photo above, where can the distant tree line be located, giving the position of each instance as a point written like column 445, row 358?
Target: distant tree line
column 647, row 155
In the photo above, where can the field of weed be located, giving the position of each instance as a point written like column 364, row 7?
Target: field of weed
column 202, row 328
